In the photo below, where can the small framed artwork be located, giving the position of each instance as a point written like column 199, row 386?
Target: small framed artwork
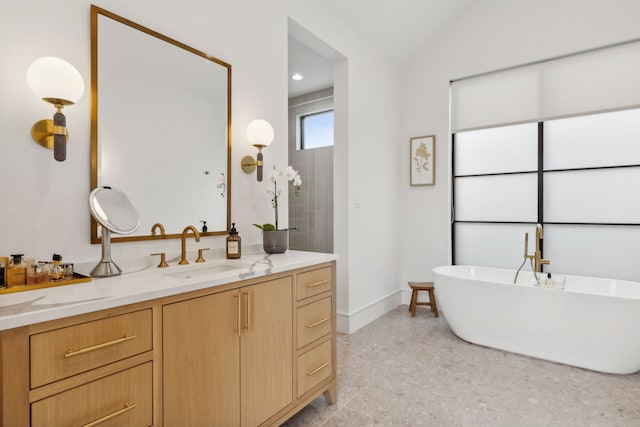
column 423, row 160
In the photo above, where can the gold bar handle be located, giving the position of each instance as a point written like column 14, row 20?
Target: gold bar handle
column 127, row 408
column 313, row 325
column 248, row 314
column 239, row 313
column 315, row 371
column 98, row 347
column 313, row 285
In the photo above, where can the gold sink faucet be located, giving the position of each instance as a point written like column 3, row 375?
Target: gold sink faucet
column 185, row 234
column 537, row 259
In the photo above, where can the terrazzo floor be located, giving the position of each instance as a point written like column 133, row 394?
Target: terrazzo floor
column 404, row 371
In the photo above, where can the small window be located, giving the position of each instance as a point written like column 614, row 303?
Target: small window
column 316, row 130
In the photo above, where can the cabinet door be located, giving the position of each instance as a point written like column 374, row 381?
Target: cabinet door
column 201, row 361
column 266, row 350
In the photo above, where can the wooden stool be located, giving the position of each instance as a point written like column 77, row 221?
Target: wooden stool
column 422, row 286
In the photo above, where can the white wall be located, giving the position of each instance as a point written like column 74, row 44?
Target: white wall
column 44, row 203
column 368, row 218
column 491, row 34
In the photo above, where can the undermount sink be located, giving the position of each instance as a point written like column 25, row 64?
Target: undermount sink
column 200, row 270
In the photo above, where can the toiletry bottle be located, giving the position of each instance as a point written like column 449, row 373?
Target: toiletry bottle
column 43, row 275
column 35, row 275
column 234, row 248
column 55, row 271
column 3, row 268
column 204, row 226
column 32, row 278
column 17, row 273
column 30, row 265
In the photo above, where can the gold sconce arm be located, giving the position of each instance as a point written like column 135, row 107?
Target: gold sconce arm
column 249, row 164
column 43, row 131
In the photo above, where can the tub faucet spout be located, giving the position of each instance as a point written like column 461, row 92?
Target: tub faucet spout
column 538, row 261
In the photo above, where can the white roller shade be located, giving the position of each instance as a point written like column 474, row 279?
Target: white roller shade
column 599, row 80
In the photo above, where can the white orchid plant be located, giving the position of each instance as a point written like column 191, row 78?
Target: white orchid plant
column 291, row 175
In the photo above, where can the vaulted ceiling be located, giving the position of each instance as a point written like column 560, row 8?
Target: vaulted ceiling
column 398, row 30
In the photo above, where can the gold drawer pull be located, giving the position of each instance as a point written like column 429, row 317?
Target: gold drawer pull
column 127, row 407
column 315, row 371
column 238, row 313
column 313, row 325
column 98, row 347
column 313, row 285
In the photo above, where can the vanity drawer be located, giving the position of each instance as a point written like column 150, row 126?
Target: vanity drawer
column 313, row 282
column 314, row 366
column 121, row 399
column 314, row 321
column 68, row 351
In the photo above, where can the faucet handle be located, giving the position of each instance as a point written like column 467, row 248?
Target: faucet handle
column 163, row 260
column 200, row 257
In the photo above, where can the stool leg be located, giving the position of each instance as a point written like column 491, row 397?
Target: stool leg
column 432, row 300
column 414, row 300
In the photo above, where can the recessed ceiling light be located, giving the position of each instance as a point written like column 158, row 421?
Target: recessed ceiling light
column 297, row 76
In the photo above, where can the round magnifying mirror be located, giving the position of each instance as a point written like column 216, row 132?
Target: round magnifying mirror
column 116, row 213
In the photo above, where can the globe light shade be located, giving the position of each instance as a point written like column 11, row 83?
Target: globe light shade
column 53, row 79
column 260, row 133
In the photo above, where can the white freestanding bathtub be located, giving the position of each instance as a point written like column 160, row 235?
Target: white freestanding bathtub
column 593, row 323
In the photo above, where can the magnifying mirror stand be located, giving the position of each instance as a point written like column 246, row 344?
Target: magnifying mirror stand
column 106, row 267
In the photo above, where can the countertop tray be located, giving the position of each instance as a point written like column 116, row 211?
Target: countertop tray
column 77, row 278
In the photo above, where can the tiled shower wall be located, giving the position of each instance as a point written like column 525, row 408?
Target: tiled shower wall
column 312, row 211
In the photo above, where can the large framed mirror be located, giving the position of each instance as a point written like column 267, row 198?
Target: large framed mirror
column 160, row 128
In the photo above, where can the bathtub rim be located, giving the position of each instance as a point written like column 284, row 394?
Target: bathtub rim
column 441, row 269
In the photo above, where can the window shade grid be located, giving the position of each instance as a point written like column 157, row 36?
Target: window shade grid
column 497, row 150
column 592, row 196
column 609, row 139
column 497, row 198
column 494, row 245
column 593, row 250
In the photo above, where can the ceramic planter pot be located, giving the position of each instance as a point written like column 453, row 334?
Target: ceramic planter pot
column 275, row 242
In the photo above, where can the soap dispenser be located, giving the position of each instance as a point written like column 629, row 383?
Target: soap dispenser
column 234, row 248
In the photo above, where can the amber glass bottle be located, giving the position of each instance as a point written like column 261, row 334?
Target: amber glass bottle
column 234, row 248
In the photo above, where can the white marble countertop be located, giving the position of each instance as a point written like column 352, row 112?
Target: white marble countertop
column 142, row 281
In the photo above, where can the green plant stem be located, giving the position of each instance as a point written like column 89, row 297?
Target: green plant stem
column 275, row 200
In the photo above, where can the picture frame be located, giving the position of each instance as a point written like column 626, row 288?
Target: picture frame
column 422, row 160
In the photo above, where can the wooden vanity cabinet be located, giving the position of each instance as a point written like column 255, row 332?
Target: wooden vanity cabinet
column 93, row 369
column 250, row 356
column 227, row 357
column 250, row 353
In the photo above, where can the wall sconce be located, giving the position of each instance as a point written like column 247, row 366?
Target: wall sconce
column 55, row 81
column 260, row 134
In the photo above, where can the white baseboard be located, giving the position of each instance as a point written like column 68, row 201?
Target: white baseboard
column 405, row 296
column 348, row 323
